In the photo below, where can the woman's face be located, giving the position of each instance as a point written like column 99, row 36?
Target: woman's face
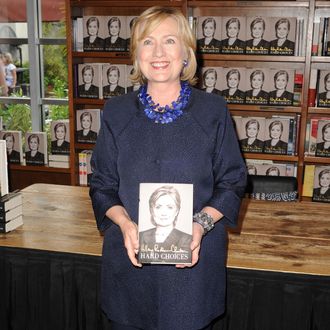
column 164, row 211
column 86, row 122
column 252, row 130
column 325, row 180
column 60, row 133
column 33, row 144
column 257, row 81
column 257, row 30
column 281, row 82
column 273, row 173
column 210, row 79
column 208, row 30
column 327, row 84
column 275, row 132
column 326, row 135
column 9, row 142
column 113, row 77
column 160, row 54
column 282, row 31
column 114, row 28
column 232, row 30
column 88, row 76
column 233, row 80
column 92, row 28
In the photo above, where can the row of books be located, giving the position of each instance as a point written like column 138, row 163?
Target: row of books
column 321, row 37
column 270, row 168
column 275, row 135
column 317, row 183
column 318, row 137
column 85, row 169
column 252, row 35
column 319, row 88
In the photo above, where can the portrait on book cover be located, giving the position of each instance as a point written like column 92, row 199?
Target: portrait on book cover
column 257, row 42
column 251, row 134
column 13, row 146
column 210, row 80
column 233, row 35
column 129, row 25
column 323, row 97
column 321, row 188
column 130, row 86
column 283, row 87
column 35, row 148
column 60, row 137
column 165, row 222
column 257, row 86
column 117, row 34
column 89, row 76
column 276, row 136
column 234, row 91
column 88, row 125
column 274, row 169
column 323, row 139
column 283, row 37
column 209, row 34
column 113, row 78
column 92, row 27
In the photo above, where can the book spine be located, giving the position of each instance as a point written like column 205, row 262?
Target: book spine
column 79, row 35
column 312, row 88
column 297, row 133
column 325, row 36
column 316, row 31
column 320, row 41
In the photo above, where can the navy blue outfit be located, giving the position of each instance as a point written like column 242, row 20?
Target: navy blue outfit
column 200, row 147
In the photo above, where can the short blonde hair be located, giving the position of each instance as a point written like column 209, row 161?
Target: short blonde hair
column 8, row 57
column 147, row 22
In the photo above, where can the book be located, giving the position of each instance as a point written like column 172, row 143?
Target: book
column 234, row 92
column 313, row 134
column 14, row 146
column 10, row 201
column 326, row 41
column 308, row 180
column 129, row 25
column 11, row 214
column 323, row 92
column 210, row 80
column 312, row 87
column 88, row 122
column 82, row 157
column 323, row 139
column 89, row 83
column 315, row 39
column 321, row 187
column 60, row 137
column 93, row 33
column 208, row 34
column 6, row 227
column 165, row 223
column 59, row 158
column 113, row 80
column 233, row 35
column 258, row 35
column 58, row 164
column 79, row 35
column 3, row 169
column 130, row 87
column 257, row 86
column 36, row 148
column 116, row 33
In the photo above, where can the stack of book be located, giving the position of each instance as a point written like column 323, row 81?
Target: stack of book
column 61, row 161
column 11, row 212
column 85, row 170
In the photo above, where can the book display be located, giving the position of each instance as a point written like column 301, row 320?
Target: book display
column 263, row 48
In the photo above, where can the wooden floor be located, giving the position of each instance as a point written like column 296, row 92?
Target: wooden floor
column 282, row 237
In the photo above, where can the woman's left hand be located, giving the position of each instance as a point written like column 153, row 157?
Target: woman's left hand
column 195, row 246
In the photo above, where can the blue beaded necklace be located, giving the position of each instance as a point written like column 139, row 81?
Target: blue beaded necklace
column 168, row 113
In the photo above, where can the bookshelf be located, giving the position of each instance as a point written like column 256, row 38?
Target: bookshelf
column 306, row 10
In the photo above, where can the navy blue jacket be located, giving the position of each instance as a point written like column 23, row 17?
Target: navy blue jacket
column 200, row 147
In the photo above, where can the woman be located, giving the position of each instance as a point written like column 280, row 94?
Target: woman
column 282, row 45
column 251, row 169
column 233, row 94
column 60, row 145
column 114, row 43
column 86, row 134
column 273, row 171
column 87, row 89
column 323, row 148
column 280, row 96
column 164, row 207
column 135, row 86
column 210, row 77
column 93, row 42
column 232, row 44
column 324, row 97
column 208, row 44
column 3, row 85
column 113, row 89
column 169, row 132
column 257, row 45
column 34, row 156
column 322, row 193
column 13, row 156
column 256, row 95
column 11, row 75
column 275, row 145
column 252, row 143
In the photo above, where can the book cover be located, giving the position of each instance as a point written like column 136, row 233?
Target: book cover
column 60, row 137
column 257, row 35
column 323, row 139
column 323, row 93
column 130, row 87
column 276, row 136
column 282, row 91
column 58, row 164
column 93, row 33
column 36, row 148
column 233, row 35
column 312, row 87
column 10, row 200
column 275, row 169
column 88, row 122
column 258, row 86
column 6, row 227
column 13, row 145
column 115, row 40
column 129, row 25
column 89, row 81
column 210, row 80
column 3, row 169
column 113, row 80
column 165, row 223
column 234, row 92
column 283, row 36
column 209, row 34
column 11, row 214
column 321, row 187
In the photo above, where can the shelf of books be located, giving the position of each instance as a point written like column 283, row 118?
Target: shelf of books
column 268, row 59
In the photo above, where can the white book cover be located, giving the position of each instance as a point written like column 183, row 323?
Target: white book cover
column 321, row 187
column 276, row 136
column 130, row 87
column 93, row 33
column 90, row 80
column 36, row 148
column 88, row 122
column 14, row 146
column 113, row 80
column 116, row 33
column 3, row 169
column 60, row 137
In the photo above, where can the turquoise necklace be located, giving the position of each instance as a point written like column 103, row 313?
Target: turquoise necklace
column 168, row 113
